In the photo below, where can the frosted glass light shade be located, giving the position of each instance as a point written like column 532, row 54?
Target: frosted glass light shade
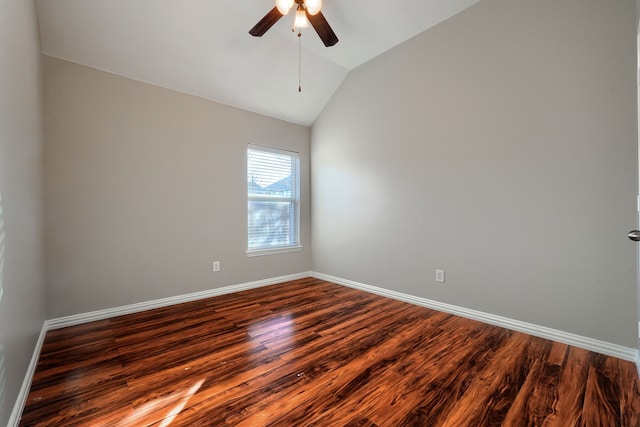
column 284, row 6
column 301, row 20
column 313, row 6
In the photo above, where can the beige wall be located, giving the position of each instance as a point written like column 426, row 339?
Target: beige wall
column 638, row 92
column 145, row 187
column 22, row 293
column 500, row 146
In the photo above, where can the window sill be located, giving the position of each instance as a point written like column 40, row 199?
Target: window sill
column 274, row 251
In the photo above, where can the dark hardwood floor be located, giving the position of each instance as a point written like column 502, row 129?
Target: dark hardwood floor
column 312, row 353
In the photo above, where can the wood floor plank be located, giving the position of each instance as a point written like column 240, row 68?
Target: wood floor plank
column 569, row 392
column 602, row 396
column 444, row 375
column 295, row 404
column 313, row 353
column 630, row 389
column 490, row 395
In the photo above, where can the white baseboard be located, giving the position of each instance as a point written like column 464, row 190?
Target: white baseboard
column 77, row 319
column 62, row 322
column 615, row 350
column 590, row 344
column 14, row 418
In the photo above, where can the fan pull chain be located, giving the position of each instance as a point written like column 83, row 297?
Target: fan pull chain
column 299, row 60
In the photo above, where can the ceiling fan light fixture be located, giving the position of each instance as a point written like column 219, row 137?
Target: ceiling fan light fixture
column 313, row 6
column 284, row 6
column 301, row 20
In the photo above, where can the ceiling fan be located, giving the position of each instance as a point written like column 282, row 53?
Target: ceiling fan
column 307, row 11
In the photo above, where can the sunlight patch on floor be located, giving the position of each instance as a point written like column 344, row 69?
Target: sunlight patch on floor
column 174, row 404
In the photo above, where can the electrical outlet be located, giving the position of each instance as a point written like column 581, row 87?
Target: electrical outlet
column 216, row 266
column 440, row 276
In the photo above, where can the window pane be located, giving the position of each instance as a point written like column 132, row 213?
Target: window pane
column 269, row 174
column 271, row 224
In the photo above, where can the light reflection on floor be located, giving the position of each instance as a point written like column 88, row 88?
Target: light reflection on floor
column 281, row 328
column 172, row 404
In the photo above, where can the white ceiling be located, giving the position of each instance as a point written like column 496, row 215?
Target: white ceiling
column 203, row 48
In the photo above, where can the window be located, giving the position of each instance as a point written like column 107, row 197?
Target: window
column 273, row 195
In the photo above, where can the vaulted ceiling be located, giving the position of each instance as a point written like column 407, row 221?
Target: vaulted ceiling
column 203, row 48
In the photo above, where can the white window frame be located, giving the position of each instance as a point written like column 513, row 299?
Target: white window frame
column 294, row 200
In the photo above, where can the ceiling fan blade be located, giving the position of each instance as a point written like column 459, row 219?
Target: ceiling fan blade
column 323, row 29
column 265, row 23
